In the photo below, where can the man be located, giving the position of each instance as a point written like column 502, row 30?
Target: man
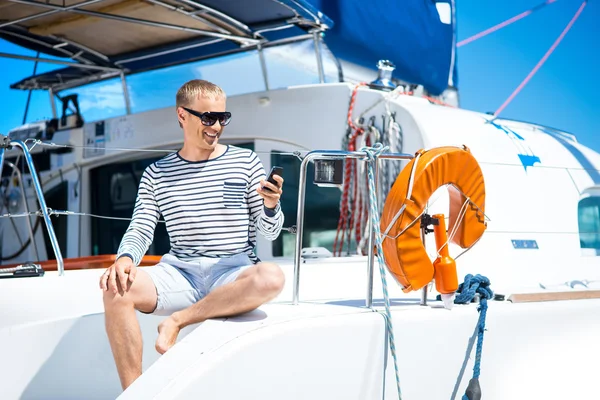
column 214, row 199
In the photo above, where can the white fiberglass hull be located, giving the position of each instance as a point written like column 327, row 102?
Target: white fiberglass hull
column 327, row 347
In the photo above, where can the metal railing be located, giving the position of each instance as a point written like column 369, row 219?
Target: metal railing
column 335, row 155
column 6, row 143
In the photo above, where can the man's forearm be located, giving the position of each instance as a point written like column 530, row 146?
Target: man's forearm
column 270, row 222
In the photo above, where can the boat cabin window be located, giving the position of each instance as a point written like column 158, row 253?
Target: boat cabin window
column 321, row 209
column 589, row 222
column 113, row 194
column 57, row 198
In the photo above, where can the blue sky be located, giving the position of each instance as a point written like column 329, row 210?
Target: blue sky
column 562, row 94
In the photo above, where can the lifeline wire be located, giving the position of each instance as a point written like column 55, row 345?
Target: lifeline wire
column 291, row 229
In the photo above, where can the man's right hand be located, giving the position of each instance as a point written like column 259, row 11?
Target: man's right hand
column 122, row 270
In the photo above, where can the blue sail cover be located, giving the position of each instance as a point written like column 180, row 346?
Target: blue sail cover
column 410, row 33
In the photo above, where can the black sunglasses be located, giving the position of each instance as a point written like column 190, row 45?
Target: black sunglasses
column 211, row 117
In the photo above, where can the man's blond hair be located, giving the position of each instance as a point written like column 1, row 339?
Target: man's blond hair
column 197, row 88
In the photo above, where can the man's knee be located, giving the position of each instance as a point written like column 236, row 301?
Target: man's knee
column 269, row 279
column 141, row 295
column 119, row 299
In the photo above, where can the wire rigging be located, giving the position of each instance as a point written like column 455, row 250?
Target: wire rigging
column 504, row 24
column 543, row 60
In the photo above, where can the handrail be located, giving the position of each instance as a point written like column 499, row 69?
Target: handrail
column 5, row 143
column 333, row 155
column 102, row 261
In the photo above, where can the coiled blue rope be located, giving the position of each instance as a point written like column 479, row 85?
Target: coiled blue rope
column 372, row 154
column 472, row 285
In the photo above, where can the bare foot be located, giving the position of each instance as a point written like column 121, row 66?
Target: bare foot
column 167, row 335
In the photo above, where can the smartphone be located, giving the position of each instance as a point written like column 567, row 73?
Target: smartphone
column 275, row 170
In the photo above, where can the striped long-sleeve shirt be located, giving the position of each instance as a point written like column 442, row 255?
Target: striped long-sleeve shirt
column 211, row 208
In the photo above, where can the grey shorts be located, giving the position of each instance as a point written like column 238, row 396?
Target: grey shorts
column 179, row 284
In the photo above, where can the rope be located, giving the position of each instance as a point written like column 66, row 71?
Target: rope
column 353, row 217
column 504, row 24
column 372, row 154
column 372, row 135
column 345, row 221
column 467, row 290
column 395, row 139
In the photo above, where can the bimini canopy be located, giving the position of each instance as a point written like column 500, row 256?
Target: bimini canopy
column 104, row 38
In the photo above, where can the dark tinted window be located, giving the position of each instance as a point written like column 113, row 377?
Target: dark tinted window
column 589, row 223
column 321, row 208
column 114, row 191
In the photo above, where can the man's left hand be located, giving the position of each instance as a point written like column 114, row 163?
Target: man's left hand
column 271, row 198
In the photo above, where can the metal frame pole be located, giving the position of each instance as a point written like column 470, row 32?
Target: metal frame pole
column 59, row 62
column 52, row 103
column 40, row 194
column 320, row 68
column 300, row 226
column 263, row 66
column 424, row 290
column 371, row 250
column 126, row 93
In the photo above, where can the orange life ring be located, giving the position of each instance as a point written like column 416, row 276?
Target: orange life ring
column 405, row 256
